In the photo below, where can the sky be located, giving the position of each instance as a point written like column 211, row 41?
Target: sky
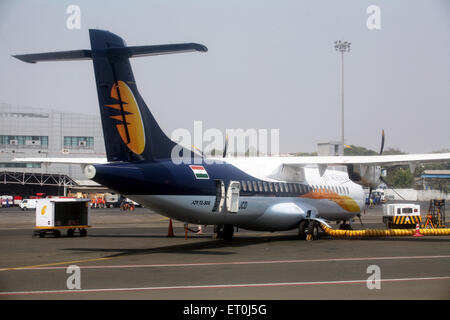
column 269, row 65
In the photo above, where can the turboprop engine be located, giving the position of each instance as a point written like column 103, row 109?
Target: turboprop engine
column 365, row 175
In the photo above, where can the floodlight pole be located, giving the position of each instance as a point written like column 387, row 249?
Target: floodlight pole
column 342, row 46
column 342, row 102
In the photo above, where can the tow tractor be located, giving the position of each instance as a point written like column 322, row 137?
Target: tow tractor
column 401, row 215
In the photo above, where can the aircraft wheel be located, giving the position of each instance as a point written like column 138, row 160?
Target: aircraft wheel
column 302, row 229
column 218, row 231
column 313, row 231
column 228, row 231
column 345, row 226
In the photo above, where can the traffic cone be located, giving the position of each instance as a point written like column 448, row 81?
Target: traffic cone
column 417, row 234
column 170, row 233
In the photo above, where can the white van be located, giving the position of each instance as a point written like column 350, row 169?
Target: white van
column 28, row 204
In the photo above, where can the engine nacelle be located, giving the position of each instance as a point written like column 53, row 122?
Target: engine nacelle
column 365, row 175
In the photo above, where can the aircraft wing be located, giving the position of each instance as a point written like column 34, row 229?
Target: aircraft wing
column 291, row 168
column 387, row 160
column 64, row 160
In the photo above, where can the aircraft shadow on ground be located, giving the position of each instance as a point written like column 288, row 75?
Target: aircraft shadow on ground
column 207, row 247
column 204, row 247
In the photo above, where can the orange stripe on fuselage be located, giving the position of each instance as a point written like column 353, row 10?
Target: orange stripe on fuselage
column 345, row 202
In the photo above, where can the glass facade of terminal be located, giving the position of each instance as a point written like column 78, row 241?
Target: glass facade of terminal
column 43, row 133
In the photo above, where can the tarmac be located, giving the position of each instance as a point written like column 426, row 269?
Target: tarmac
column 127, row 255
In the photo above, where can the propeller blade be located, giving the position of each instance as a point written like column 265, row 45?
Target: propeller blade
column 198, row 150
column 382, row 142
column 225, row 147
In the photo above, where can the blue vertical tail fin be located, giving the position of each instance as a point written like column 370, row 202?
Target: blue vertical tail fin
column 131, row 132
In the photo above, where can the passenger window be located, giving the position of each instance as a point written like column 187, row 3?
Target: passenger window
column 271, row 186
column 266, row 189
column 255, row 186
column 244, row 185
column 249, row 185
column 260, row 187
column 295, row 188
column 281, row 187
column 277, row 188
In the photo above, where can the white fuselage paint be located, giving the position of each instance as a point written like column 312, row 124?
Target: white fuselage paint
column 269, row 213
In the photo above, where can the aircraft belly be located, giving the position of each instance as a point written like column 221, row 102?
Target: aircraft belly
column 198, row 209
column 255, row 213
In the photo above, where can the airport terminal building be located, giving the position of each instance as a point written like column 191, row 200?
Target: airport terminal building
column 45, row 133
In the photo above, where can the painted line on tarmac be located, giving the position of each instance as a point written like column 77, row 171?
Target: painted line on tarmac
column 218, row 286
column 49, row 265
column 197, row 264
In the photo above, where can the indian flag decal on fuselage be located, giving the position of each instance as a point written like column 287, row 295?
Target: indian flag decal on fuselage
column 199, row 172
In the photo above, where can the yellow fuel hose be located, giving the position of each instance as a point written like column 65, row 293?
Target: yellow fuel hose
column 383, row 233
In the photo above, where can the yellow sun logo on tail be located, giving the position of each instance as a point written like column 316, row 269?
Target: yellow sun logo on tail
column 131, row 120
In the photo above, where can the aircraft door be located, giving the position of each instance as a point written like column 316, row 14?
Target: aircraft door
column 233, row 196
column 220, row 196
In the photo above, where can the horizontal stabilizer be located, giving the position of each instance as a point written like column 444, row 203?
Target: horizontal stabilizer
column 63, row 160
column 141, row 51
column 126, row 52
column 52, row 56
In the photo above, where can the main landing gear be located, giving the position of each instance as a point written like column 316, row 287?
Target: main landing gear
column 308, row 230
column 224, row 232
column 345, row 226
